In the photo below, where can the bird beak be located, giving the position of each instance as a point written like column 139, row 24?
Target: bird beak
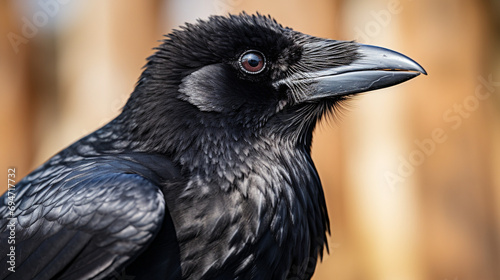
column 374, row 68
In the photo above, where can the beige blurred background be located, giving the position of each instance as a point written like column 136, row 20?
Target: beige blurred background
column 410, row 172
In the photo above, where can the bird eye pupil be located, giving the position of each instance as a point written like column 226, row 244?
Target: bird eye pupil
column 252, row 62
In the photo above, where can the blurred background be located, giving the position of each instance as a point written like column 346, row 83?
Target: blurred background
column 411, row 173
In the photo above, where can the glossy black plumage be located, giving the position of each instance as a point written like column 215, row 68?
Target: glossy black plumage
column 206, row 174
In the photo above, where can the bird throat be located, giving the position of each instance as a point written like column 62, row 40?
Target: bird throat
column 271, row 186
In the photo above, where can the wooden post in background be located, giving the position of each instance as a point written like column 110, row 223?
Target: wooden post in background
column 383, row 218
column 17, row 144
column 100, row 53
column 454, row 184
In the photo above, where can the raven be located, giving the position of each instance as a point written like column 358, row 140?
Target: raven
column 206, row 173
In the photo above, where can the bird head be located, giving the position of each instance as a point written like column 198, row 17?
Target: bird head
column 251, row 74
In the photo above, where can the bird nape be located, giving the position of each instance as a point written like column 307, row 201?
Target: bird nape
column 206, row 173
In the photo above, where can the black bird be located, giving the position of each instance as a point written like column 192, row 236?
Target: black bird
column 206, row 173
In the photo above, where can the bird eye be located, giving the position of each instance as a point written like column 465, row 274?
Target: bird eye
column 252, row 62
